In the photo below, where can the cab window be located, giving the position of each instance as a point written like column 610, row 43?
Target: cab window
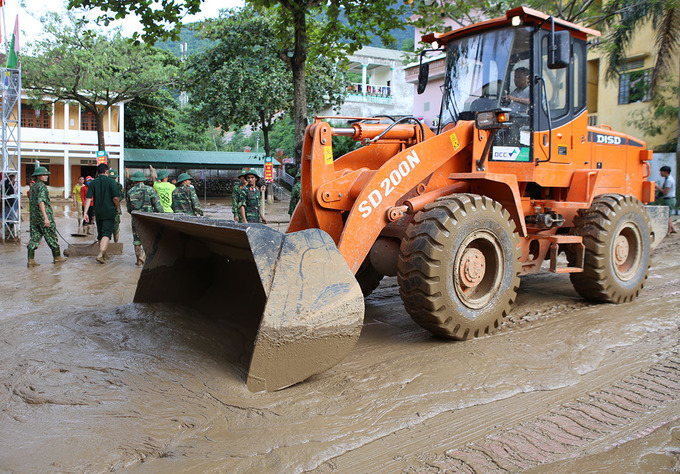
column 556, row 85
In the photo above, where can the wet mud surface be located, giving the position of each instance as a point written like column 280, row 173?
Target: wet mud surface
column 91, row 382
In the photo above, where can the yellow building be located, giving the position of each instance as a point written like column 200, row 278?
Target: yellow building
column 620, row 101
column 62, row 136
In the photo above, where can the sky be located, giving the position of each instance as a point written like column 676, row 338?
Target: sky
column 30, row 13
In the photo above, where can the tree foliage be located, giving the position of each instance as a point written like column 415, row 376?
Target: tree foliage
column 312, row 28
column 303, row 28
column 76, row 64
column 239, row 80
column 150, row 121
column 160, row 21
column 624, row 19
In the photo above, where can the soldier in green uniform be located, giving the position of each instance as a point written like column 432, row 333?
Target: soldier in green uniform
column 184, row 198
column 104, row 191
column 42, row 219
column 295, row 194
column 250, row 203
column 121, row 195
column 235, row 194
column 141, row 198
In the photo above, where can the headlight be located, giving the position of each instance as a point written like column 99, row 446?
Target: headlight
column 499, row 118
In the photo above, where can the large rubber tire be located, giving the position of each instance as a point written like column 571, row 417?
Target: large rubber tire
column 459, row 266
column 616, row 234
column 368, row 278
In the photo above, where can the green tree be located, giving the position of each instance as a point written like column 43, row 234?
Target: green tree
column 239, row 80
column 150, row 121
column 239, row 141
column 408, row 45
column 312, row 28
column 76, row 64
column 282, row 136
column 304, row 28
column 194, row 133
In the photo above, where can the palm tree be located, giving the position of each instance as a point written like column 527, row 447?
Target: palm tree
column 623, row 18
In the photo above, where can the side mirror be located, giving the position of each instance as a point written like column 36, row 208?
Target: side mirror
column 559, row 50
column 423, row 75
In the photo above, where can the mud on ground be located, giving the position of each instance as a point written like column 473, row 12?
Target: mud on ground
column 90, row 382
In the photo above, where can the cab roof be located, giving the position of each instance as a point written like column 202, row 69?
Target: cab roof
column 528, row 16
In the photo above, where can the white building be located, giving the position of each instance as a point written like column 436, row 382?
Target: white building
column 62, row 137
column 382, row 89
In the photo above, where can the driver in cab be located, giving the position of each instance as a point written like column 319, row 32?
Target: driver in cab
column 519, row 97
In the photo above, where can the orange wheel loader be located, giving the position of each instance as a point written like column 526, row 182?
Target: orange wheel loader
column 509, row 180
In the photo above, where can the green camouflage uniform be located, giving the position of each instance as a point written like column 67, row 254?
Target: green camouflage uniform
column 121, row 196
column 185, row 200
column 294, row 197
column 142, row 198
column 235, row 194
column 40, row 194
column 251, row 199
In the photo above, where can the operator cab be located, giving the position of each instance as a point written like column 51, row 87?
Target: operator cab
column 497, row 65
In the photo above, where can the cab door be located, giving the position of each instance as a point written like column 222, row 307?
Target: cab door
column 553, row 111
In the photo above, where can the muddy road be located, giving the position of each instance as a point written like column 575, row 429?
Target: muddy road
column 90, row 382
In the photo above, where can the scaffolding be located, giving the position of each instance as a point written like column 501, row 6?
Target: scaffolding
column 10, row 111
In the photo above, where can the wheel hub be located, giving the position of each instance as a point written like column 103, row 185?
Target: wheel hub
column 472, row 267
column 621, row 250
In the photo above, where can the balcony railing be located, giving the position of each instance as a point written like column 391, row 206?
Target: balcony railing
column 50, row 138
column 379, row 94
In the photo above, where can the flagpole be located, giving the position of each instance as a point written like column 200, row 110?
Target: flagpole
column 4, row 25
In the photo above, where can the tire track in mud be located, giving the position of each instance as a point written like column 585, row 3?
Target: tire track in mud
column 571, row 427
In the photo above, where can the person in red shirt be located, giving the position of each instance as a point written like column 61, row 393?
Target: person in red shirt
column 90, row 212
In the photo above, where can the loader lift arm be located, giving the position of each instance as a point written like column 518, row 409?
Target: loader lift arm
column 350, row 198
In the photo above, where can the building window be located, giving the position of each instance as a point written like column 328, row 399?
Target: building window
column 32, row 118
column 88, row 121
column 635, row 86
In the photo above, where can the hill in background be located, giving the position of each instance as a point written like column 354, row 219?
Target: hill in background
column 403, row 39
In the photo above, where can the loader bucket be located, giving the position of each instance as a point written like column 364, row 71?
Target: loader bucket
column 292, row 295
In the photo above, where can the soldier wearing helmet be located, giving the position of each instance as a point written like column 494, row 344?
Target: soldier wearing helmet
column 250, row 201
column 184, row 198
column 235, row 195
column 141, row 198
column 42, row 219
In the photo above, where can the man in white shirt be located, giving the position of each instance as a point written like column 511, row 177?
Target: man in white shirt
column 667, row 191
column 519, row 97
